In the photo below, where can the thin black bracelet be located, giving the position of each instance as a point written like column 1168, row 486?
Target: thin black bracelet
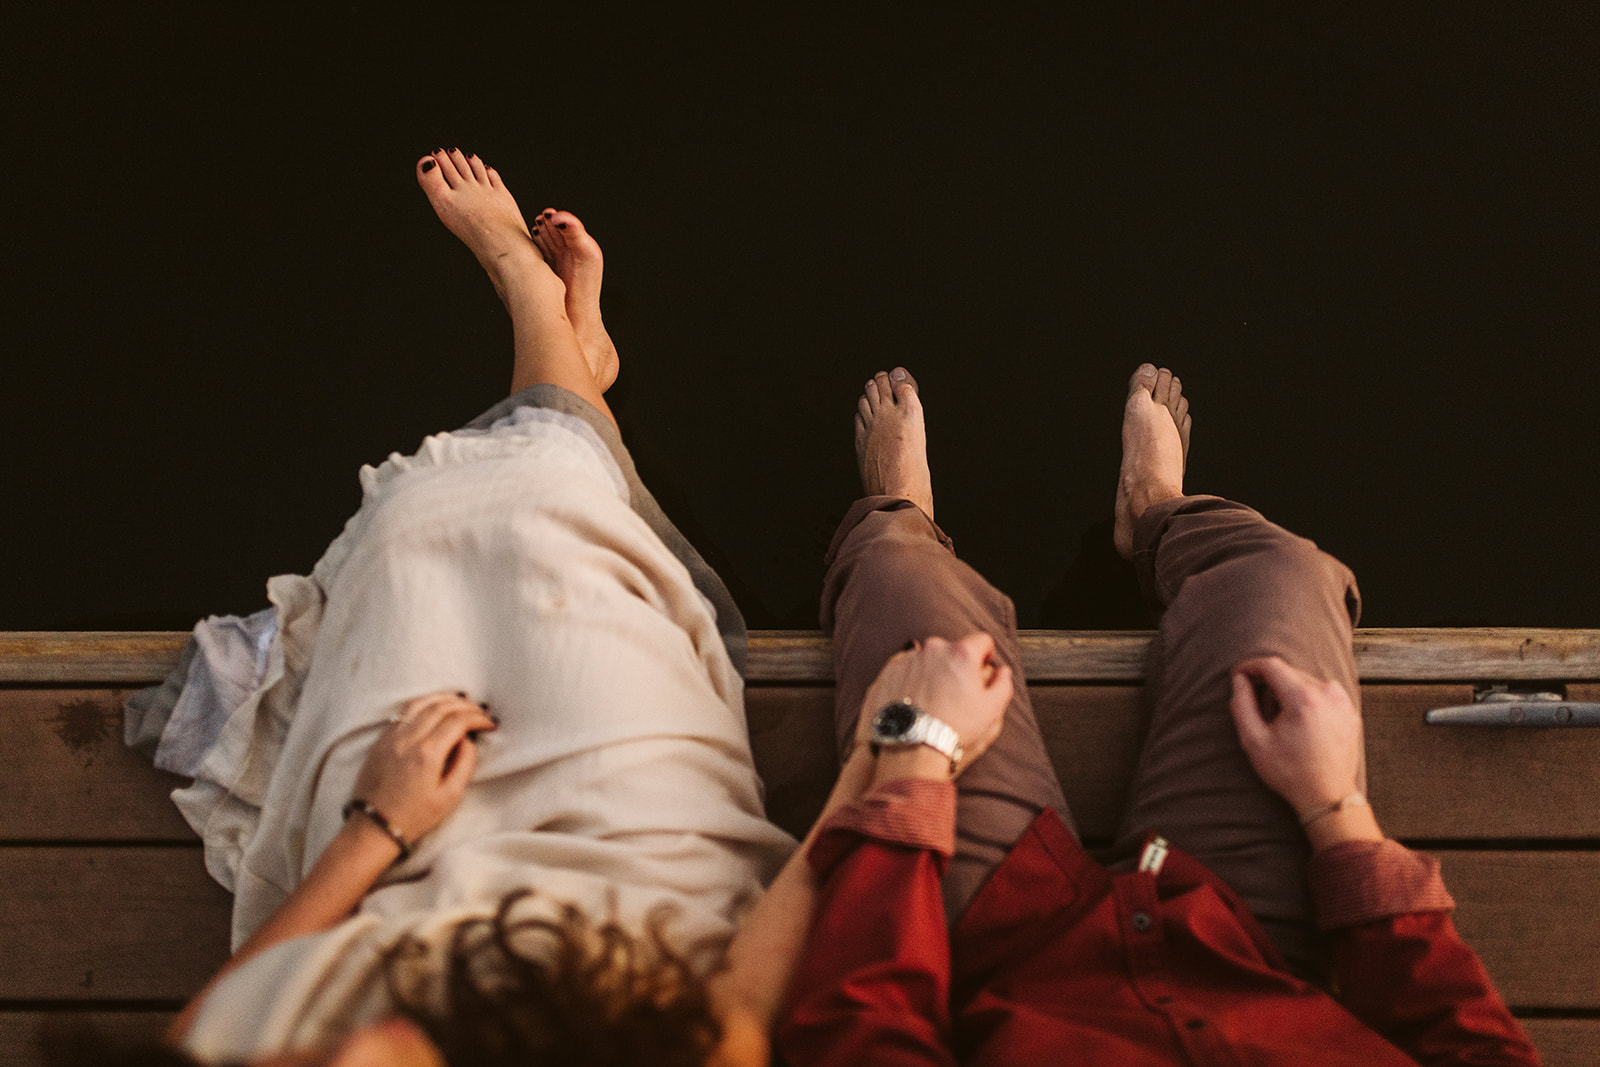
column 356, row 804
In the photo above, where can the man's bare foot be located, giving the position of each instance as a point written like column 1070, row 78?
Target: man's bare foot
column 475, row 205
column 892, row 440
column 1155, row 449
column 575, row 257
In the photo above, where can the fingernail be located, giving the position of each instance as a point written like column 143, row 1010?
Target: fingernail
column 461, row 694
column 484, row 704
column 472, row 735
column 427, row 166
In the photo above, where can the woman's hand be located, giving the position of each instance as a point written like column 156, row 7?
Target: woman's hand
column 960, row 683
column 414, row 776
column 1310, row 752
column 421, row 764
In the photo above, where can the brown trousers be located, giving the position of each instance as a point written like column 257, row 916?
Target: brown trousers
column 1231, row 586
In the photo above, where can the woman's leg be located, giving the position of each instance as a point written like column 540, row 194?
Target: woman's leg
column 1233, row 587
column 893, row 578
column 549, row 279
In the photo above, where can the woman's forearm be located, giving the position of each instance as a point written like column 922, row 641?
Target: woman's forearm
column 347, row 869
column 763, row 953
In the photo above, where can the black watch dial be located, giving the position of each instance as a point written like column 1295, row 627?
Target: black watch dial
column 896, row 719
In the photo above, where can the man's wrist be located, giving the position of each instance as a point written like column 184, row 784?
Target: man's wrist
column 1354, row 823
column 911, row 761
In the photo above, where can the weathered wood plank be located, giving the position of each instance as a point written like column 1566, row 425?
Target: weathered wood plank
column 1382, row 654
column 109, row 923
column 1487, row 654
column 791, row 736
column 1452, row 782
column 1524, row 913
column 1565, row 1042
column 24, row 1034
column 148, row 923
column 1092, row 733
column 89, row 656
column 788, row 656
column 1561, row 1042
column 1426, row 782
column 70, row 777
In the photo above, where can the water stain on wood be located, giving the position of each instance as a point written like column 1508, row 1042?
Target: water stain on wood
column 81, row 725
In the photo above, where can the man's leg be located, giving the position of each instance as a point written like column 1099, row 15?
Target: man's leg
column 893, row 578
column 1234, row 586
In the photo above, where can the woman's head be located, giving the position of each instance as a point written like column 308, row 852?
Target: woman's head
column 556, row 989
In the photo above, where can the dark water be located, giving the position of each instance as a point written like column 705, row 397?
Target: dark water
column 1368, row 238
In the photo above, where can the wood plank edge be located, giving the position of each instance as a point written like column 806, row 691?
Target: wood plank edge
column 1424, row 654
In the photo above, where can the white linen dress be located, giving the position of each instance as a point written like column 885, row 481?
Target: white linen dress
column 507, row 563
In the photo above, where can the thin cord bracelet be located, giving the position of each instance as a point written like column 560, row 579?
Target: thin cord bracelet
column 1349, row 800
column 356, row 804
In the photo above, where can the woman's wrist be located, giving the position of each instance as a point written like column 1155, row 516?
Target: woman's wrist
column 363, row 839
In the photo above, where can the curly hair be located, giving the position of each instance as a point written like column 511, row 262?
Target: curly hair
column 568, row 989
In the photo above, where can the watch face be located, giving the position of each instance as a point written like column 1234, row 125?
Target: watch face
column 896, row 719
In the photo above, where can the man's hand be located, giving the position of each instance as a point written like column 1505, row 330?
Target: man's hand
column 420, row 766
column 958, row 682
column 1310, row 752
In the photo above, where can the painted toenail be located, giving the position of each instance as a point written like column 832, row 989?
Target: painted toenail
column 561, row 225
column 426, row 167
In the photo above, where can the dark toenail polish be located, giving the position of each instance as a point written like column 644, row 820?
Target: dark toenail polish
column 426, row 167
column 561, row 225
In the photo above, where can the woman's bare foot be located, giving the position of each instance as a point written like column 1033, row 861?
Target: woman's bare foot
column 475, row 205
column 1155, row 449
column 575, row 257
column 892, row 440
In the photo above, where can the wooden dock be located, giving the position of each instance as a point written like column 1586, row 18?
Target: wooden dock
column 107, row 914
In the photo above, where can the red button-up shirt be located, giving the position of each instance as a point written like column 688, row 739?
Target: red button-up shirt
column 1059, row 961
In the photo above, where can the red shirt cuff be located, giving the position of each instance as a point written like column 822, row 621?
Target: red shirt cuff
column 1358, row 882
column 919, row 813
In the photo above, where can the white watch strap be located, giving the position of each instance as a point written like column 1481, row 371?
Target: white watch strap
column 938, row 735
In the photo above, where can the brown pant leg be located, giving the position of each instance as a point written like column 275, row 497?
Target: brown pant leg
column 1234, row 587
column 893, row 578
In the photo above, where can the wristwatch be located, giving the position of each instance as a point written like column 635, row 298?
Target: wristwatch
column 903, row 724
